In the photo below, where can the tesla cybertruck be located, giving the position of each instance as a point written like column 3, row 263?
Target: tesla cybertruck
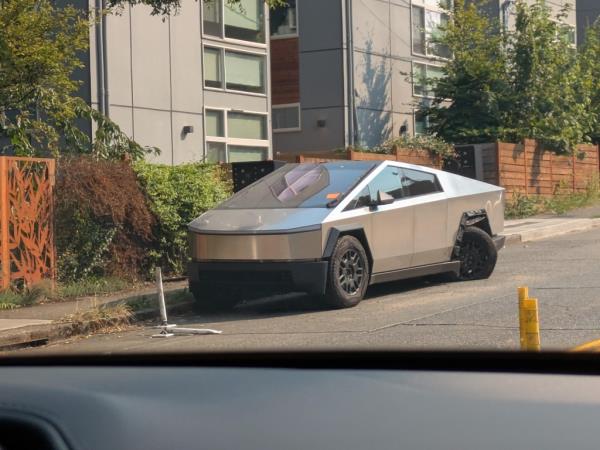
column 332, row 229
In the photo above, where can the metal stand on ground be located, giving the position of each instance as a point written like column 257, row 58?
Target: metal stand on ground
column 167, row 330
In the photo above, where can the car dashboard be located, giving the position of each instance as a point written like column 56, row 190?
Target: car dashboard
column 382, row 401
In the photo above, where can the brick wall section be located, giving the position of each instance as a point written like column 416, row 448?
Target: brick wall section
column 285, row 71
column 530, row 170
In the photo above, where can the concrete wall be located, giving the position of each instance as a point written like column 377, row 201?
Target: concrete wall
column 155, row 78
column 322, row 94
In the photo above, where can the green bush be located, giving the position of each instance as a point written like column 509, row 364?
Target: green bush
column 434, row 145
column 177, row 195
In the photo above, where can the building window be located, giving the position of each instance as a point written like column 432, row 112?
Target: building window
column 426, row 22
column 216, row 152
column 211, row 14
column 286, row 117
column 243, row 72
column 246, row 126
column 243, row 20
column 284, row 20
column 425, row 77
column 213, row 67
column 215, row 123
column 421, row 123
column 240, row 153
column 567, row 34
column 233, row 136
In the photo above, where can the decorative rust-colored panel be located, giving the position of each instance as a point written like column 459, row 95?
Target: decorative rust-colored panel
column 27, row 253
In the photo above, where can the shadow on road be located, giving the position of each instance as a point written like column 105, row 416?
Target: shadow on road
column 297, row 303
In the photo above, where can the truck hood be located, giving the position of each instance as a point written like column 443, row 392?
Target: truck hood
column 259, row 221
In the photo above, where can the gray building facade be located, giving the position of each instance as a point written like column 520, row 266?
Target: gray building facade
column 195, row 84
column 361, row 69
column 588, row 12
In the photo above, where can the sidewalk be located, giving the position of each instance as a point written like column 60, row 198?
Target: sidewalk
column 547, row 225
column 40, row 323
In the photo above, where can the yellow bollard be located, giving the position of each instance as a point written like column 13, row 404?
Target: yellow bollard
column 523, row 295
column 529, row 322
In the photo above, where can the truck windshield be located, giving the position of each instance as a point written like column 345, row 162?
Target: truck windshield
column 309, row 185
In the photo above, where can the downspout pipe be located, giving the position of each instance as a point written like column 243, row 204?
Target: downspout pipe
column 350, row 73
column 101, row 59
column 105, row 60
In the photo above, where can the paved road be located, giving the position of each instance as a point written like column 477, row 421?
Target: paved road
column 564, row 273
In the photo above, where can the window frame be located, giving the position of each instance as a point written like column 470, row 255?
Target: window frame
column 290, row 35
column 436, row 9
column 564, row 25
column 427, row 65
column 415, row 112
column 223, row 49
column 407, row 196
column 222, row 37
column 284, row 106
column 228, row 141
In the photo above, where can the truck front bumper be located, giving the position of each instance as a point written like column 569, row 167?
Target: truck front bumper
column 277, row 276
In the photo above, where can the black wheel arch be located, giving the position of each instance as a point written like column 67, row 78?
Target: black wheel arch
column 336, row 233
column 474, row 218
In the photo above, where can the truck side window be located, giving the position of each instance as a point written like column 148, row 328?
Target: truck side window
column 387, row 181
column 417, row 183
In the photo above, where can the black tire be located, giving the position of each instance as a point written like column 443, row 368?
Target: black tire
column 210, row 299
column 348, row 273
column 477, row 255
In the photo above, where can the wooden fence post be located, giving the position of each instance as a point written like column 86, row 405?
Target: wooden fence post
column 53, row 257
column 4, row 217
column 574, row 173
column 525, row 142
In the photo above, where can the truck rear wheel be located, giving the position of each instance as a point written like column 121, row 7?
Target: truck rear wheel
column 348, row 273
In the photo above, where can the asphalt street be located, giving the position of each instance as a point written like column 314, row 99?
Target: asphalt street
column 563, row 273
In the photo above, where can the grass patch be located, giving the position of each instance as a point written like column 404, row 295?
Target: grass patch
column 11, row 299
column 521, row 206
column 100, row 319
column 150, row 301
column 90, row 287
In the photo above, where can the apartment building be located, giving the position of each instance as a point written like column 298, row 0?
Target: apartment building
column 588, row 12
column 350, row 72
column 195, row 84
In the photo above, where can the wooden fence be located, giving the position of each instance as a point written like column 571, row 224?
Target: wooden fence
column 531, row 170
column 27, row 253
column 419, row 157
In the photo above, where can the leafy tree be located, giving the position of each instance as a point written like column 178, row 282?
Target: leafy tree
column 528, row 82
column 590, row 70
column 470, row 97
column 548, row 101
column 40, row 45
column 166, row 7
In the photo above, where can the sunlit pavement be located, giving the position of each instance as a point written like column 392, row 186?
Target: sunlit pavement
column 563, row 273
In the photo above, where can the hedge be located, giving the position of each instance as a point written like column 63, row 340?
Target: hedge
column 118, row 219
column 177, row 195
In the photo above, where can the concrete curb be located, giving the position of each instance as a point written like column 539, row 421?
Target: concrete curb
column 37, row 335
column 547, row 228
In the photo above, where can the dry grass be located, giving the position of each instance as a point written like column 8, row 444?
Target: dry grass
column 100, row 319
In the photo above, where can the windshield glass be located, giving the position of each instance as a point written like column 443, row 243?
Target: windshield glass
column 307, row 185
